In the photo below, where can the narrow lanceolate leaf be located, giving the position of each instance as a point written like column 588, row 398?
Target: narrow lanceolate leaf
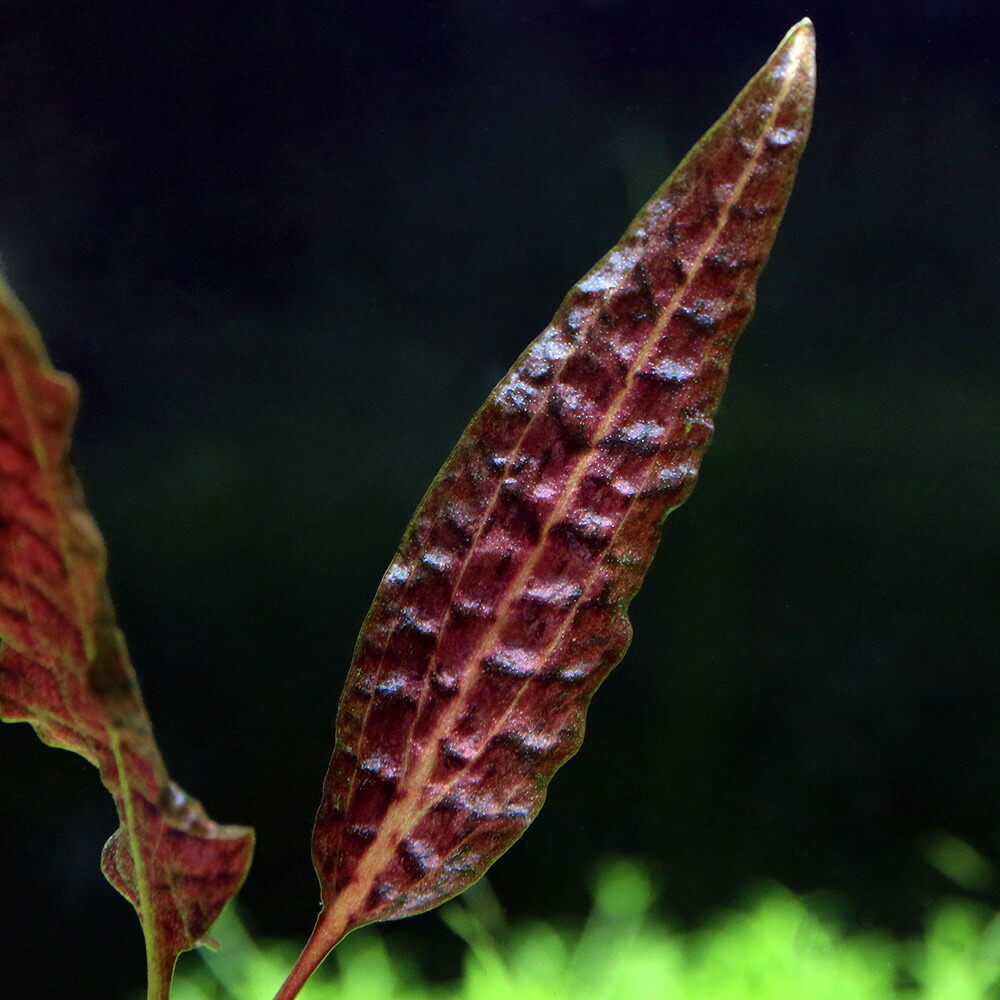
column 506, row 604
column 65, row 669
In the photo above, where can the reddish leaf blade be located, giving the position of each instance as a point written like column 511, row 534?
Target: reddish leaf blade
column 65, row 669
column 506, row 605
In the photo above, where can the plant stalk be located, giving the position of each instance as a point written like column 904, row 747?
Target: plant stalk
column 326, row 935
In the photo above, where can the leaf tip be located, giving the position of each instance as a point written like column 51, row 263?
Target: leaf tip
column 793, row 66
column 799, row 47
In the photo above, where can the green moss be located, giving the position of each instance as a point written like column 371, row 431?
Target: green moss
column 775, row 948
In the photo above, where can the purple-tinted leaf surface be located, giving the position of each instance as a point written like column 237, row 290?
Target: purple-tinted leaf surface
column 506, row 604
column 64, row 666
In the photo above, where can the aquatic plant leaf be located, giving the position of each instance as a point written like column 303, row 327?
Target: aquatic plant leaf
column 65, row 669
column 506, row 604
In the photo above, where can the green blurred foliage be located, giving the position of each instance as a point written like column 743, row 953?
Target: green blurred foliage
column 775, row 947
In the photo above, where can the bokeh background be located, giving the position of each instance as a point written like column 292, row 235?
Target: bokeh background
column 287, row 248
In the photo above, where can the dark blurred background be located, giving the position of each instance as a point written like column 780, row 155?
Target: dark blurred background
column 287, row 248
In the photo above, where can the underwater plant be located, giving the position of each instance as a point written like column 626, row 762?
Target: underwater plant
column 771, row 947
column 505, row 605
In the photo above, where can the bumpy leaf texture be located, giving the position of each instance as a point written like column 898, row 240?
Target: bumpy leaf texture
column 505, row 606
column 65, row 669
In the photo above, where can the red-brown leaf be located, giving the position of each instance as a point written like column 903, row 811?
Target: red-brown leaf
column 65, row 669
column 506, row 604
